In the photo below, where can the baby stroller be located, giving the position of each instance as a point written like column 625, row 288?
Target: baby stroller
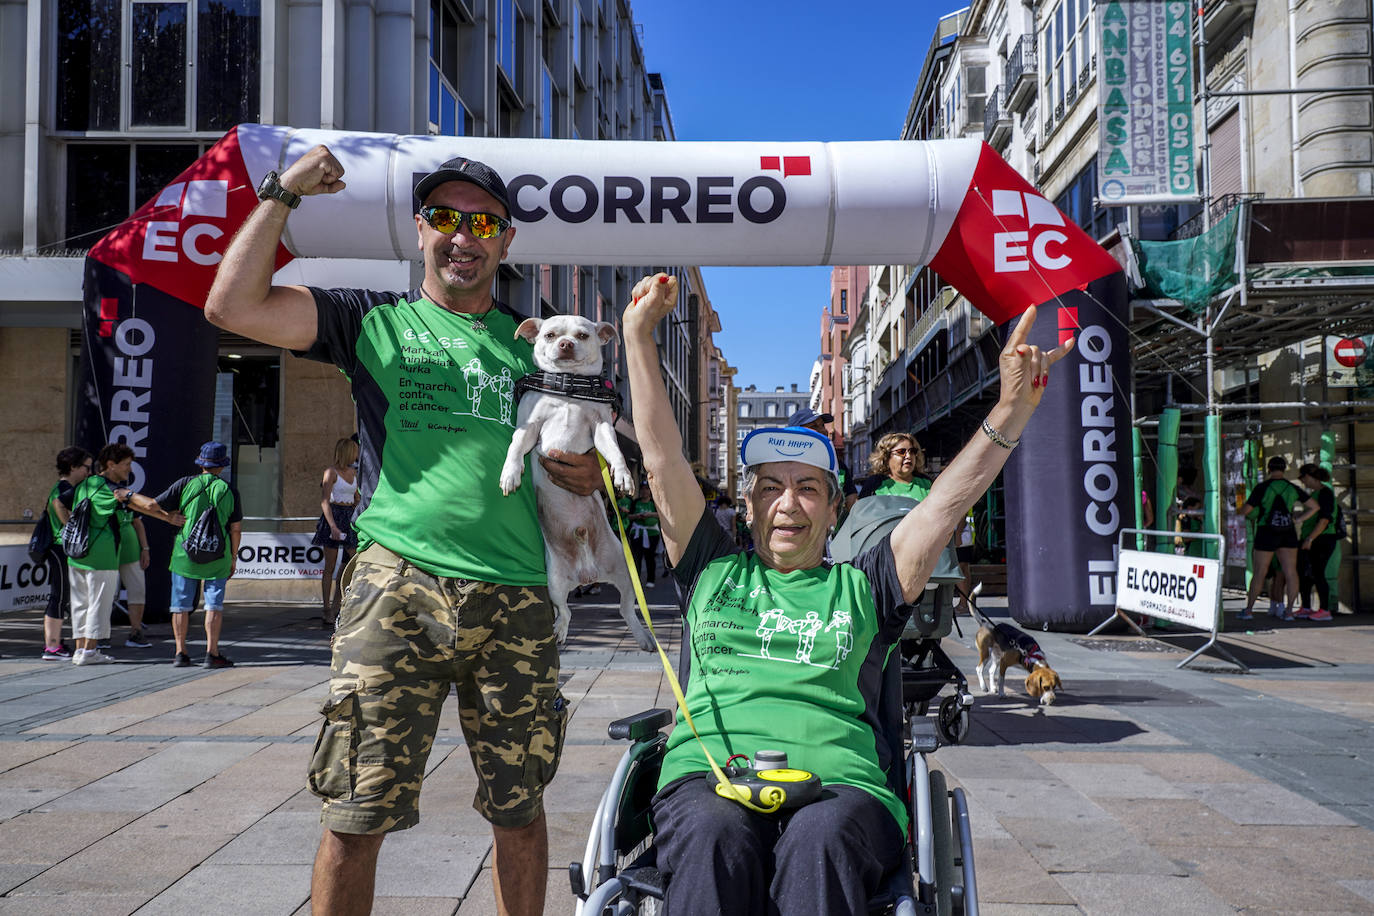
column 926, row 669
column 618, row 873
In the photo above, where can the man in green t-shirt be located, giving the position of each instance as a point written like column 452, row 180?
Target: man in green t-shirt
column 448, row 587
column 192, row 497
column 787, row 649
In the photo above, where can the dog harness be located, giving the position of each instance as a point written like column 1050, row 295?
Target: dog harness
column 582, row 387
column 1023, row 643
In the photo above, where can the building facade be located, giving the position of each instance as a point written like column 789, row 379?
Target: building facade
column 1293, row 167
column 120, row 95
column 755, row 408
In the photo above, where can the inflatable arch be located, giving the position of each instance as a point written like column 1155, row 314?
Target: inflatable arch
column 148, row 376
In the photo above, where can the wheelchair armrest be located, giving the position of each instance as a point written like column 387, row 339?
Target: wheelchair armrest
column 640, row 725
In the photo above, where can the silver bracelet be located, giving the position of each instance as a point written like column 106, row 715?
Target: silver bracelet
column 998, row 438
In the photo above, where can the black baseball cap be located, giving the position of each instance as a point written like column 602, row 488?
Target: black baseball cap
column 806, row 416
column 461, row 168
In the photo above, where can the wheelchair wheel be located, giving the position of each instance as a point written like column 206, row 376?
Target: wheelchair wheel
column 952, row 723
column 942, row 842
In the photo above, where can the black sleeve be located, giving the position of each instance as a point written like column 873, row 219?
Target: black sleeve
column 880, row 566
column 339, row 316
column 709, row 541
column 1326, row 507
column 236, row 513
column 66, row 493
column 868, row 485
column 170, row 498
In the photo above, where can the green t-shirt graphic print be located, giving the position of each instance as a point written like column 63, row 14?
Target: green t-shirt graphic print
column 436, row 410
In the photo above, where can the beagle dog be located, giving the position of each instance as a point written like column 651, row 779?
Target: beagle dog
column 1000, row 646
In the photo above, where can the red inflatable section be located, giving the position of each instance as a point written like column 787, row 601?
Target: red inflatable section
column 1010, row 248
column 175, row 241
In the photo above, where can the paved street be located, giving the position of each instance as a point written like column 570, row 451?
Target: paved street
column 138, row 787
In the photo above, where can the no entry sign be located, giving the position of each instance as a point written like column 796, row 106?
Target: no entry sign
column 1349, row 352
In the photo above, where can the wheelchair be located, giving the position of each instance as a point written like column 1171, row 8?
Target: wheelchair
column 618, row 875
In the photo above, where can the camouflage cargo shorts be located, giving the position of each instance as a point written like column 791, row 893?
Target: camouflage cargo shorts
column 403, row 637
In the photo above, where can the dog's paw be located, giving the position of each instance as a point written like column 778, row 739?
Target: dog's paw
column 561, row 619
column 510, row 477
column 624, row 480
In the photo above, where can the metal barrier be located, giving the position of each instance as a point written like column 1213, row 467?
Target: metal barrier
column 1171, row 587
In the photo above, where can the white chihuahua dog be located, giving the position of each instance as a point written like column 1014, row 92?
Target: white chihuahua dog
column 568, row 408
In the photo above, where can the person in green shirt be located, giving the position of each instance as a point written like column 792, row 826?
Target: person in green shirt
column 898, row 464
column 94, row 578
column 74, row 464
column 1272, row 505
column 193, row 496
column 644, row 534
column 443, row 557
column 787, row 649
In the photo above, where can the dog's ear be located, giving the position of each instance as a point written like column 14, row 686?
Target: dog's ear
column 605, row 331
column 1057, row 682
column 529, row 328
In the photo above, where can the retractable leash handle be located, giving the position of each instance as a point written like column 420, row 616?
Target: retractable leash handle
column 766, row 791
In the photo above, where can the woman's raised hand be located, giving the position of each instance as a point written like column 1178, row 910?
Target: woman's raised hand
column 1025, row 368
column 654, row 299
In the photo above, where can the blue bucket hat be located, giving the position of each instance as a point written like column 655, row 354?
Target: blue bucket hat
column 213, row 455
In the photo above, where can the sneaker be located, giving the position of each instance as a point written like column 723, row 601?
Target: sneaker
column 1276, row 609
column 137, row 641
column 217, row 661
column 182, row 660
column 1320, row 615
column 1245, row 615
column 96, row 657
column 1302, row 613
column 56, row 652
column 79, row 656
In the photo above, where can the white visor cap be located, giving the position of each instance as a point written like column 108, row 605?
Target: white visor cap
column 789, row 443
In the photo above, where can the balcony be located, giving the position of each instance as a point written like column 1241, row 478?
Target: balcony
column 996, row 120
column 1021, row 73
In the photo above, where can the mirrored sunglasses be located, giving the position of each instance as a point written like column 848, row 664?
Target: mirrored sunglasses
column 448, row 220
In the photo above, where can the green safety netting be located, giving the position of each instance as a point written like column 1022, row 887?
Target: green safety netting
column 1190, row 271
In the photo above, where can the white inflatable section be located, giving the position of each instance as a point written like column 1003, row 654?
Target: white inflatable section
column 637, row 203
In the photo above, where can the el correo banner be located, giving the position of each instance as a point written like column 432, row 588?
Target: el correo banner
column 23, row 583
column 278, row 556
column 1145, row 101
column 1181, row 589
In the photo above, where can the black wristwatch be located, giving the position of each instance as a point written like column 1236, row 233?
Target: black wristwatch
column 271, row 189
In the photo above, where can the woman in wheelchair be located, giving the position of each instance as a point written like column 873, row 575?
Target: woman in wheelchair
column 787, row 648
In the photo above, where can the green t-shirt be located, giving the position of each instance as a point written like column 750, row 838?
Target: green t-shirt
column 648, row 512
column 129, row 550
column 436, row 410
column 1275, row 500
column 919, row 488
column 788, row 661
column 104, row 554
column 191, row 496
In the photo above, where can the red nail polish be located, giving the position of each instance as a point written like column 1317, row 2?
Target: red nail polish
column 663, row 279
column 1035, row 382
column 1044, row 380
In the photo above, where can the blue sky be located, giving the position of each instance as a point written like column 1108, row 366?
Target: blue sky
column 774, row 70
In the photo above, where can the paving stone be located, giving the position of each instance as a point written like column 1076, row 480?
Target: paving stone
column 1260, row 879
column 15, row 802
column 1144, row 894
column 94, row 904
column 481, row 899
column 13, row 874
column 280, row 838
column 1364, row 888
column 235, row 890
column 1098, row 845
column 126, row 863
column 1014, row 797
column 1007, row 874
column 1114, row 780
column 157, row 779
column 1176, row 767
column 416, row 906
column 430, row 863
column 1251, row 803
column 48, row 838
column 77, row 765
column 17, row 753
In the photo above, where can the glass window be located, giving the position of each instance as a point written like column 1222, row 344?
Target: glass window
column 546, row 106
column 228, row 72
column 158, row 65
column 448, row 111
column 88, row 48
column 97, row 191
column 576, row 17
column 157, row 164
column 844, row 302
column 506, row 24
column 433, row 97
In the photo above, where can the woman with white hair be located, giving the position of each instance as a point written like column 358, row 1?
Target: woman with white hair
column 787, row 649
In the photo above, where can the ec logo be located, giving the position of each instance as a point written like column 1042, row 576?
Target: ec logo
column 1014, row 250
column 208, row 198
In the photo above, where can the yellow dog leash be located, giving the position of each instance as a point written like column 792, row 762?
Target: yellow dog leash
column 770, row 795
